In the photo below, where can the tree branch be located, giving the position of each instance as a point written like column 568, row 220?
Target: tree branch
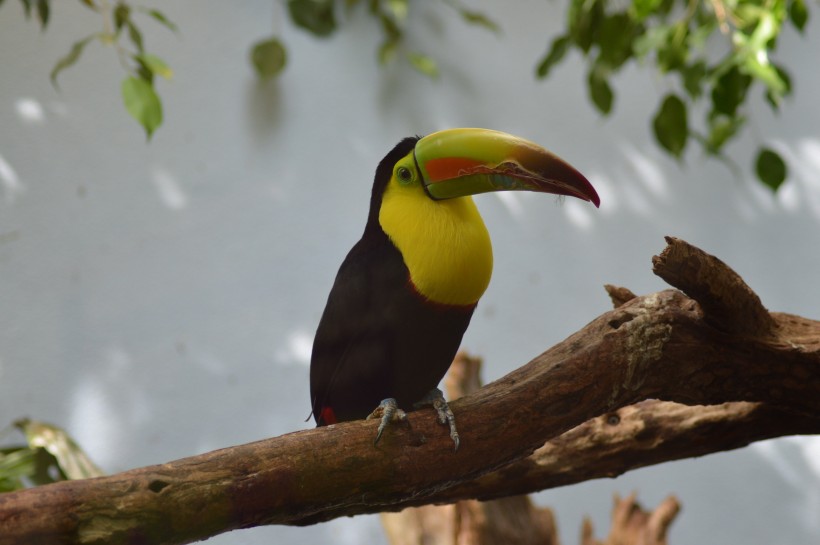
column 515, row 519
column 646, row 433
column 632, row 525
column 727, row 302
column 661, row 346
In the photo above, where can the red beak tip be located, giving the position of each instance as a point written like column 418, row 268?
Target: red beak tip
column 591, row 195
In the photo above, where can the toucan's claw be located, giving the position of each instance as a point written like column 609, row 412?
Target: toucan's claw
column 435, row 398
column 387, row 410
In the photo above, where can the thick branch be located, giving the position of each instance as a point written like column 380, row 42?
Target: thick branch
column 511, row 519
column 516, row 519
column 657, row 346
column 647, row 433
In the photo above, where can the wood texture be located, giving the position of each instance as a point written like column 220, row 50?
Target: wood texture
column 658, row 346
column 728, row 303
column 631, row 525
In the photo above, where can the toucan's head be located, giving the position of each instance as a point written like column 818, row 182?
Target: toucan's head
column 421, row 201
column 460, row 162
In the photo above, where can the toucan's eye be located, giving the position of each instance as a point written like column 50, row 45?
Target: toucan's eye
column 404, row 175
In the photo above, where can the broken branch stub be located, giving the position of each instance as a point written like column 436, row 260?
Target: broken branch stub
column 728, row 303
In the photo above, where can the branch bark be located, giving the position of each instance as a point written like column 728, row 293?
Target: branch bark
column 511, row 519
column 701, row 350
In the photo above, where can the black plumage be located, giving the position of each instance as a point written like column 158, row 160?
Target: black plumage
column 378, row 338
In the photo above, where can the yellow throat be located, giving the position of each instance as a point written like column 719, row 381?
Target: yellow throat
column 445, row 245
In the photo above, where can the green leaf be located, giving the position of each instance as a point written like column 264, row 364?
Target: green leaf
column 729, row 91
column 673, row 53
column 16, row 464
column 558, row 50
column 775, row 99
column 652, row 39
column 71, row 58
column 701, row 32
column 644, row 8
column 770, row 168
column 315, row 16
column 599, row 90
column 135, row 36
column 162, row 19
column 122, row 16
column 387, row 51
column 26, row 8
column 142, row 103
column 615, row 37
column 761, row 69
column 665, row 7
column 8, row 485
column 155, row 65
column 477, row 18
column 43, row 12
column 670, row 125
column 721, row 130
column 584, row 18
column 145, row 73
column 390, row 28
column 399, row 9
column 268, row 57
column 798, row 14
column 693, row 76
column 423, row 64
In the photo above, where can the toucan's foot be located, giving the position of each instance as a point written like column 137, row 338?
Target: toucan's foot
column 435, row 398
column 388, row 410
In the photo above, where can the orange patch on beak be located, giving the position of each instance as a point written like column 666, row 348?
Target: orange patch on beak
column 447, row 168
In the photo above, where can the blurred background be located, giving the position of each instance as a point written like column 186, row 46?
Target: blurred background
column 158, row 300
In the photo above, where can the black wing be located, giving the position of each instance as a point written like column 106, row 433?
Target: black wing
column 349, row 365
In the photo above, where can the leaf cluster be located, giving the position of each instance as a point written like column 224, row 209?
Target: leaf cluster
column 711, row 51
column 120, row 31
column 319, row 18
column 49, row 455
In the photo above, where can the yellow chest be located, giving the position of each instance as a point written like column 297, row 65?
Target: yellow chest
column 445, row 244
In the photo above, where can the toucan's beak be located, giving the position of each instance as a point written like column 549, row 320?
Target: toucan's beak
column 459, row 162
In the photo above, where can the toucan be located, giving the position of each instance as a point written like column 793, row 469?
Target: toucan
column 406, row 291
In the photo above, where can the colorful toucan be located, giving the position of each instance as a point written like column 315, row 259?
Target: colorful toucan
column 404, row 294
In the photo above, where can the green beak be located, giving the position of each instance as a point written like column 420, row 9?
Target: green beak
column 460, row 162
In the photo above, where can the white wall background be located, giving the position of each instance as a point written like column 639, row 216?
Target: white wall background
column 159, row 300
